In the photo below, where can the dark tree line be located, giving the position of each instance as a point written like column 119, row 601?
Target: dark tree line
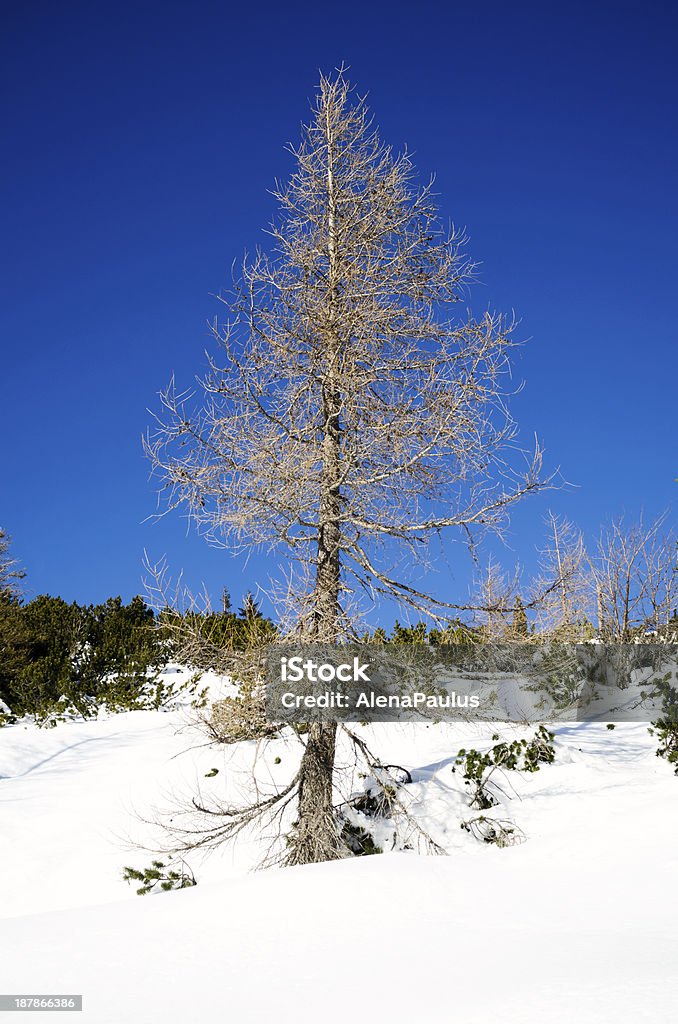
column 58, row 658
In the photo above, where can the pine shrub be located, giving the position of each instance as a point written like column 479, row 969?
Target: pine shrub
column 160, row 877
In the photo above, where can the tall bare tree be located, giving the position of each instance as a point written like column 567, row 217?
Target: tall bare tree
column 356, row 410
column 495, row 596
column 11, row 572
column 564, row 609
column 635, row 576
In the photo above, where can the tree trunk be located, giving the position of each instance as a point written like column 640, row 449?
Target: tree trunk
column 600, row 612
column 316, row 837
column 627, row 609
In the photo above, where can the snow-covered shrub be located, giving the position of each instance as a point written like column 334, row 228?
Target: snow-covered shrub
column 666, row 727
column 561, row 676
column 6, row 715
column 358, row 840
column 519, row 755
column 377, row 808
column 380, row 816
column 160, row 877
column 497, row 831
column 381, row 790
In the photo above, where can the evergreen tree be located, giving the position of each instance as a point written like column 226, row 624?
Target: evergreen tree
column 250, row 609
column 14, row 649
column 520, row 627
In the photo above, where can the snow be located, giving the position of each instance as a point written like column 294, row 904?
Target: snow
column 577, row 923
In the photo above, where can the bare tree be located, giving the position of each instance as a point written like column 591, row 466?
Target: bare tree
column 564, row 608
column 495, row 597
column 11, row 572
column 356, row 411
column 635, row 576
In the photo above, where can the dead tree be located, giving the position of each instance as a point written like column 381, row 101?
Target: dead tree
column 635, row 576
column 355, row 410
column 495, row 595
column 564, row 609
column 11, row 572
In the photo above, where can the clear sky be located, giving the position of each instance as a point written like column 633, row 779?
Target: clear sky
column 140, row 139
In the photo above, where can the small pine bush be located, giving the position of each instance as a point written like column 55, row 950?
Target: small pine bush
column 494, row 831
column 666, row 727
column 358, row 840
column 160, row 877
column 519, row 755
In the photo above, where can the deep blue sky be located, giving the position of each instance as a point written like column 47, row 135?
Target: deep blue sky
column 139, row 141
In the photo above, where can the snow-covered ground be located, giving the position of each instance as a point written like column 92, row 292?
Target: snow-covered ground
column 575, row 924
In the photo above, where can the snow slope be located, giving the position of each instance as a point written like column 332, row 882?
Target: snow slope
column 577, row 923
column 398, row 938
